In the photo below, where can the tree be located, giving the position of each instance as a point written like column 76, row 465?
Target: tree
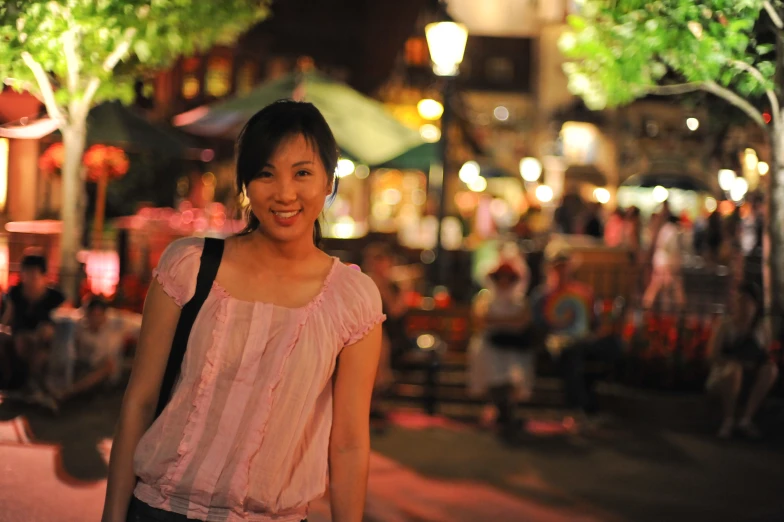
column 72, row 54
column 734, row 49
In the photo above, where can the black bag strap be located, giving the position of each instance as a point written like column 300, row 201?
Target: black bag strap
column 210, row 261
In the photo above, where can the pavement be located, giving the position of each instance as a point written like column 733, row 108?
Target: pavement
column 433, row 469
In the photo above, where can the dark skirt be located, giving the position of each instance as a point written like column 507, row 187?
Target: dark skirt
column 138, row 511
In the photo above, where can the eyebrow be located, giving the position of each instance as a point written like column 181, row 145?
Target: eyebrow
column 297, row 164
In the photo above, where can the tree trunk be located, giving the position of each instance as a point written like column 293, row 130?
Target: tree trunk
column 100, row 209
column 773, row 255
column 74, row 136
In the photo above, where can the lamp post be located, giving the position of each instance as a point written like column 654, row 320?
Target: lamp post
column 446, row 41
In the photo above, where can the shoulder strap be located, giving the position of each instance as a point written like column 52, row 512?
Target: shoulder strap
column 210, row 261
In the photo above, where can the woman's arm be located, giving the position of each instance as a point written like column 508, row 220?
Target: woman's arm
column 716, row 341
column 349, row 445
column 161, row 314
column 8, row 314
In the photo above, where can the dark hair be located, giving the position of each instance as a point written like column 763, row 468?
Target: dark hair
column 264, row 132
column 34, row 262
column 97, row 302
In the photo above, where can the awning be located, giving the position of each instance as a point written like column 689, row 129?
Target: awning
column 667, row 180
column 361, row 125
column 586, row 174
column 111, row 123
column 34, row 130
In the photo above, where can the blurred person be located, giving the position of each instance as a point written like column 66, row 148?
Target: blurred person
column 378, row 262
column 700, row 232
column 502, row 351
column 564, row 308
column 739, row 349
column 731, row 251
column 100, row 337
column 593, row 221
column 666, row 266
column 273, row 401
column 752, row 233
column 632, row 231
column 27, row 318
column 752, row 225
column 614, row 229
column 714, row 236
column 566, row 216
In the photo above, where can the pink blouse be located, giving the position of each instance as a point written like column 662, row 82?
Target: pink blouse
column 245, row 436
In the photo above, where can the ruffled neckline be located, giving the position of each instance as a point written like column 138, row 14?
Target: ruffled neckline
column 316, row 301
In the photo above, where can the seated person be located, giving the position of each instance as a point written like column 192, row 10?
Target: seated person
column 563, row 307
column 100, row 337
column 28, row 319
column 378, row 263
column 739, row 348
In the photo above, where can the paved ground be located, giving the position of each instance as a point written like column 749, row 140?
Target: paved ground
column 434, row 470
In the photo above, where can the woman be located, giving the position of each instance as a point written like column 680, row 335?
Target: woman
column 500, row 366
column 666, row 261
column 740, row 356
column 275, row 386
column 632, row 230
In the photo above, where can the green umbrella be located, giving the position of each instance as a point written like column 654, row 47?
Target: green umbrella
column 418, row 158
column 361, row 125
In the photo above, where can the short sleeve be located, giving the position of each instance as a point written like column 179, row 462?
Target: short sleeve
column 15, row 295
column 363, row 312
column 178, row 268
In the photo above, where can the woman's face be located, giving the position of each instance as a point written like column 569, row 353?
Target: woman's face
column 289, row 192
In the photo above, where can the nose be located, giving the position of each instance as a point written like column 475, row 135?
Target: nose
column 285, row 190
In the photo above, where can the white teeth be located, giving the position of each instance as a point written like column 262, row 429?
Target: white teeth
column 286, row 215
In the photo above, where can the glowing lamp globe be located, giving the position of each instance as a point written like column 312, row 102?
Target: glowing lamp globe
column 446, row 42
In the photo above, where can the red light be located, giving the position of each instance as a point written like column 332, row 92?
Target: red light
column 767, row 117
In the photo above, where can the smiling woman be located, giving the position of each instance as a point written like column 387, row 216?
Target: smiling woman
column 276, row 347
column 284, row 149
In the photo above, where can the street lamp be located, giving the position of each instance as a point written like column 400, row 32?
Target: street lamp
column 446, row 41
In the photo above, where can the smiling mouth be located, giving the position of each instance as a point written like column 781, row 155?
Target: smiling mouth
column 286, row 215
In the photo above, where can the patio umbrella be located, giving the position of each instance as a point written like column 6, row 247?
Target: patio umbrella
column 419, row 158
column 111, row 123
column 361, row 125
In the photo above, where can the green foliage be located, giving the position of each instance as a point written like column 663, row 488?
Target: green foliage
column 622, row 49
column 158, row 31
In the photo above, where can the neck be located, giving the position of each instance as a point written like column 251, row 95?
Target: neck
column 279, row 254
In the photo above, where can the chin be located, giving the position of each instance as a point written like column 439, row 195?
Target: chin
column 286, row 235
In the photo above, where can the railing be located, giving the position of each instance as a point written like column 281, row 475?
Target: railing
column 666, row 347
